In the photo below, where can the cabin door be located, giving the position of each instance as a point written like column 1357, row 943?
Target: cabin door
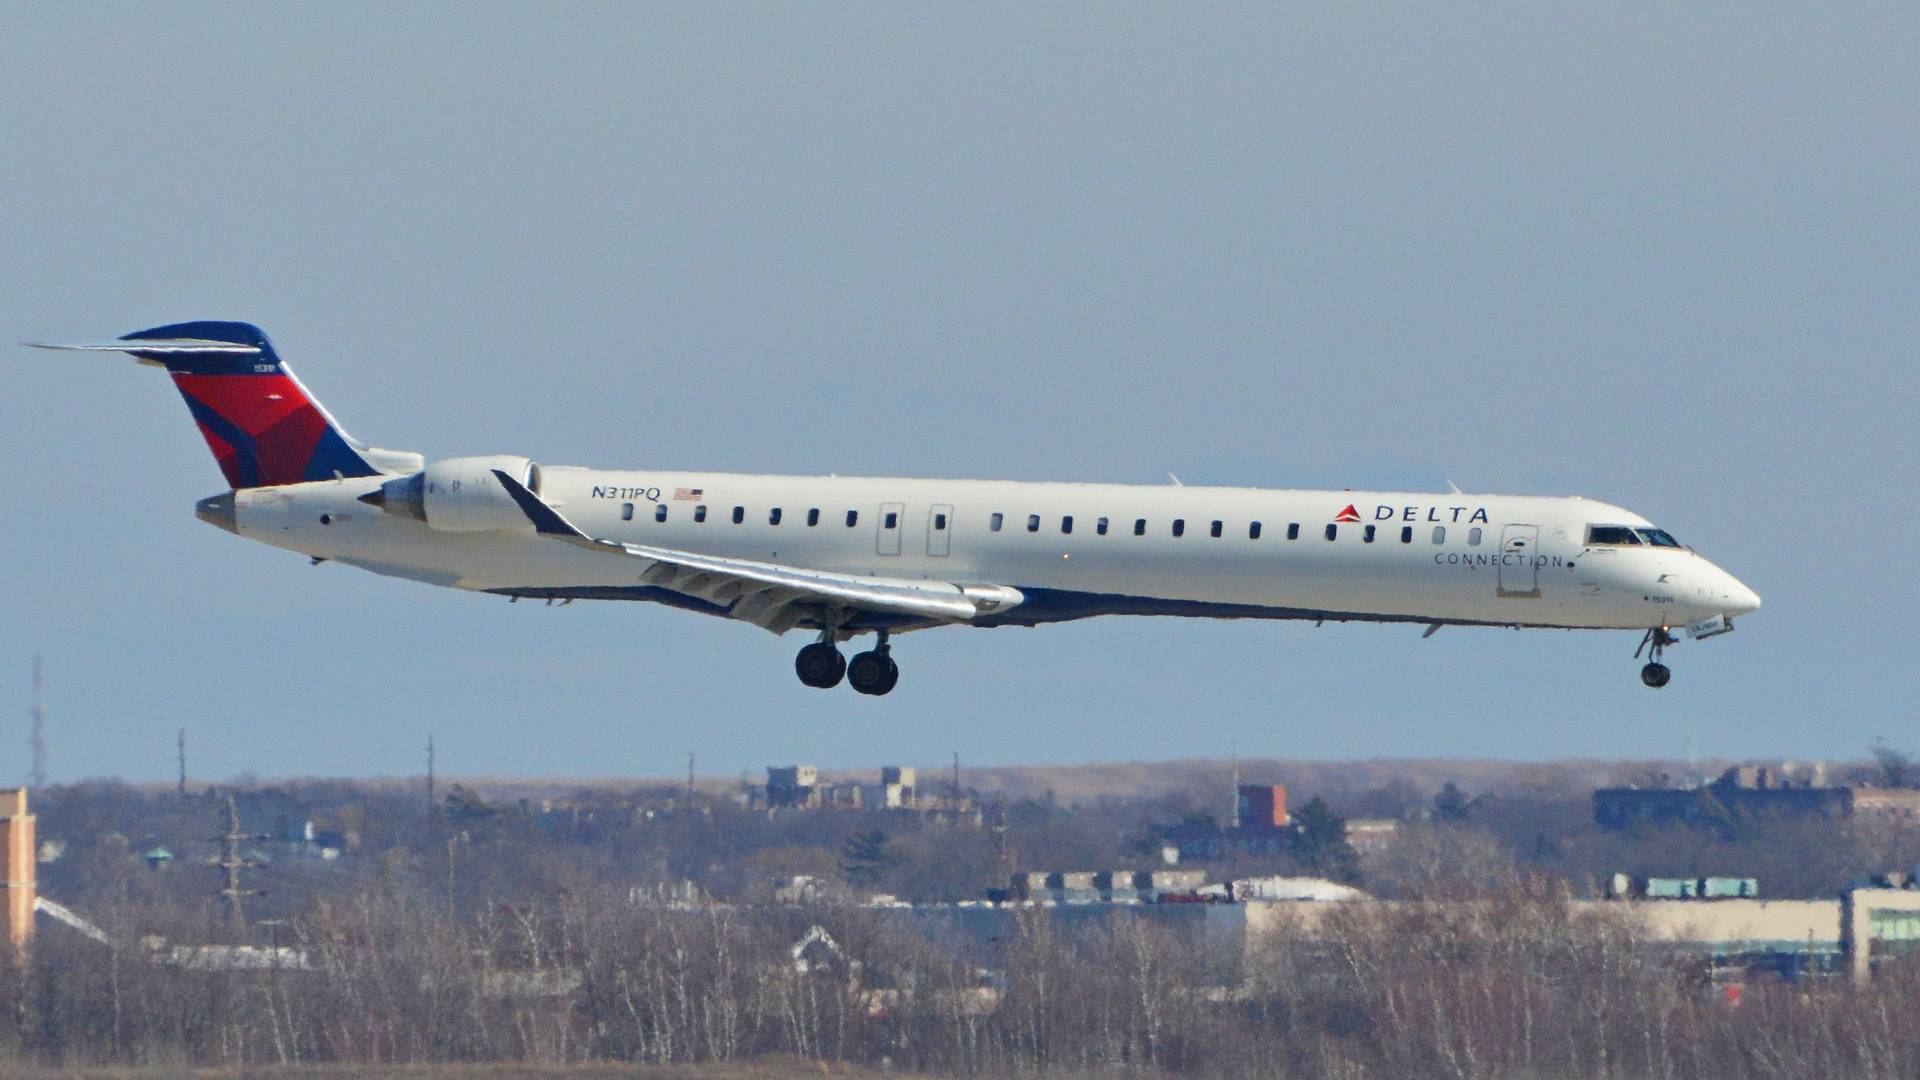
column 1519, row 569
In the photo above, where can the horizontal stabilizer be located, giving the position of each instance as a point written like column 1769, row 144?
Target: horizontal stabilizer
column 152, row 345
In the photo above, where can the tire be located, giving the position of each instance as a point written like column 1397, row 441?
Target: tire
column 820, row 666
column 892, row 679
column 1655, row 675
column 871, row 673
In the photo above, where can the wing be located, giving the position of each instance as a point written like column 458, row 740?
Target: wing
column 769, row 595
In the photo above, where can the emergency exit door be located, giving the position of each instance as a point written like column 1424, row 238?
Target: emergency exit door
column 887, row 541
column 939, row 529
column 1519, row 567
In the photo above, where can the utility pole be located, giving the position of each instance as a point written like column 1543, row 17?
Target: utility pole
column 1233, row 750
column 232, row 862
column 181, row 788
column 956, row 779
column 996, row 816
column 429, row 779
column 689, row 779
column 37, row 731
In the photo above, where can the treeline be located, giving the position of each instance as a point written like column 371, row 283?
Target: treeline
column 1507, row 982
column 472, row 851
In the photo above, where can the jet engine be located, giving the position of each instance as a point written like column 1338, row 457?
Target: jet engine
column 459, row 494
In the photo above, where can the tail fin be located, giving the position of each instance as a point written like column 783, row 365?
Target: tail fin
column 262, row 425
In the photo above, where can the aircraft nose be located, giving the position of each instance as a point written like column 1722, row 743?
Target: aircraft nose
column 1734, row 595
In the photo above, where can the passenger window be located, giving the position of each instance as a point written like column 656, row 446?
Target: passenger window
column 1179, row 526
column 853, row 518
column 996, row 521
column 1366, row 535
column 1293, row 531
column 1333, row 531
column 700, row 513
column 1611, row 534
column 1033, row 522
column 773, row 516
column 1253, row 530
column 1139, row 526
column 1439, row 534
column 1473, row 537
column 1216, row 530
column 1100, row 526
column 813, row 517
column 660, row 512
column 626, row 511
column 739, row 514
column 1406, row 534
column 892, row 521
column 939, row 522
column 1066, row 524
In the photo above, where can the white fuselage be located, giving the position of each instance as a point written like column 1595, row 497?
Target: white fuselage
column 1413, row 557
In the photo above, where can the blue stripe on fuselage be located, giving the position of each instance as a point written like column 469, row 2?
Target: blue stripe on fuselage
column 1040, row 607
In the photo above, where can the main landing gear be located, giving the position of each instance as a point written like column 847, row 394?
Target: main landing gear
column 1655, row 673
column 821, row 666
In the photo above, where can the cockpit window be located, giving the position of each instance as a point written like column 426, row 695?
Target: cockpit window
column 1611, row 534
column 1658, row 537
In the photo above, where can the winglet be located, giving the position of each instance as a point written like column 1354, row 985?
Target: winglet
column 546, row 520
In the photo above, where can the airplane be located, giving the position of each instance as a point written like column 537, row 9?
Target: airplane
column 842, row 557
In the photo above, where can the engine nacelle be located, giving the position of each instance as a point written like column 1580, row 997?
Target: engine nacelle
column 460, row 494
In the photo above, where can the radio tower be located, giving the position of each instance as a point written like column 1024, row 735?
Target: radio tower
column 230, row 863
column 37, row 732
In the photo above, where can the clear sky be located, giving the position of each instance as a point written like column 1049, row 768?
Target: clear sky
column 1663, row 258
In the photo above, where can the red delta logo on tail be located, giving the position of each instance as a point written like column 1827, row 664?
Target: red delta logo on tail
column 262, row 426
column 1348, row 515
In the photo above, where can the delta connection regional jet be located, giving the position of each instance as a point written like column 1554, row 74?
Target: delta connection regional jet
column 846, row 556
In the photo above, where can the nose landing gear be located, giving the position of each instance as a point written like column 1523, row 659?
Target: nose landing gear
column 1655, row 674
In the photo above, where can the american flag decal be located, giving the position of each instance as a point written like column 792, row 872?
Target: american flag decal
column 688, row 494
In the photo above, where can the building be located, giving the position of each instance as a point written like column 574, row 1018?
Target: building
column 1262, row 827
column 1262, row 806
column 1102, row 886
column 801, row 787
column 1751, row 791
column 898, row 787
column 1371, row 834
column 793, row 785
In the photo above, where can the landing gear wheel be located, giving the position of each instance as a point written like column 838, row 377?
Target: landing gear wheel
column 872, row 673
column 820, row 665
column 1655, row 674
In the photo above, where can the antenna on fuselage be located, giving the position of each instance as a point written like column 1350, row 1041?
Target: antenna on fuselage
column 1455, row 488
column 1175, row 479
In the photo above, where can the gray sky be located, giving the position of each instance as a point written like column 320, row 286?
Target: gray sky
column 1662, row 258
